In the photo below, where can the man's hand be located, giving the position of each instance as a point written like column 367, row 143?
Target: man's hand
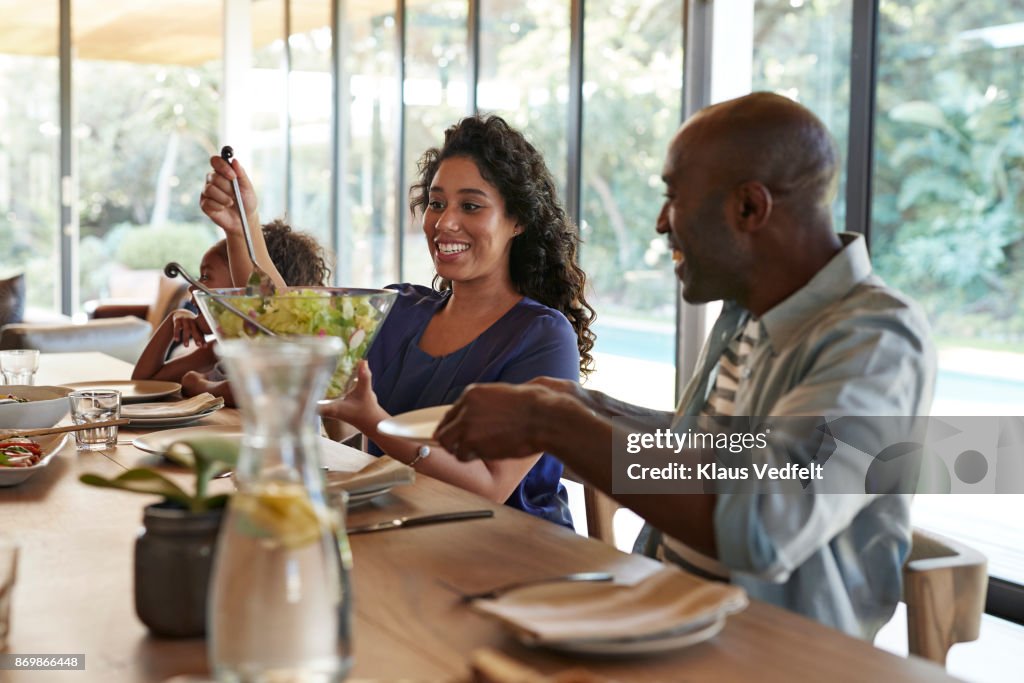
column 495, row 421
column 218, row 197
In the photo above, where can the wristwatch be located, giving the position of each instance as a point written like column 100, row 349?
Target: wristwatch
column 422, row 453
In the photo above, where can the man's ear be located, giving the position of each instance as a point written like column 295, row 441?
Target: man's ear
column 751, row 205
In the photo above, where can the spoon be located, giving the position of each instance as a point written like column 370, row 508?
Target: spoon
column 174, row 269
column 259, row 280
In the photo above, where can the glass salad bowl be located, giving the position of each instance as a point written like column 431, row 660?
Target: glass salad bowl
column 352, row 315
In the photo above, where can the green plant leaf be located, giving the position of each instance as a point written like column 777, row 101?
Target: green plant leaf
column 142, row 481
column 923, row 114
column 209, row 456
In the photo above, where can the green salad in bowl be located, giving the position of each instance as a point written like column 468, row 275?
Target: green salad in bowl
column 352, row 315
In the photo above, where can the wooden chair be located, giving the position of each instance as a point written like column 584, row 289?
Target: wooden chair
column 944, row 586
column 600, row 510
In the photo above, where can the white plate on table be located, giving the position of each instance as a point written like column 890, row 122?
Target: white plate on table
column 416, row 425
column 50, row 445
column 335, row 455
column 627, row 647
column 160, row 442
column 666, row 611
column 132, row 390
column 364, row 497
column 179, row 421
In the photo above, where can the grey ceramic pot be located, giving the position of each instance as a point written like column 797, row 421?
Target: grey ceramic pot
column 173, row 559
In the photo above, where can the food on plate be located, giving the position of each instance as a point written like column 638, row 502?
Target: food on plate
column 20, row 453
column 11, row 398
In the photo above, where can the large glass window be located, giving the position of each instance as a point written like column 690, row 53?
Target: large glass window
column 947, row 229
column 524, row 72
column 265, row 95
column 145, row 123
column 310, row 105
column 29, row 172
column 143, row 151
column 801, row 49
column 632, row 107
column 369, row 131
column 435, row 98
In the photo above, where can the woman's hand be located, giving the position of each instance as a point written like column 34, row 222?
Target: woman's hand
column 188, row 326
column 218, row 197
column 359, row 407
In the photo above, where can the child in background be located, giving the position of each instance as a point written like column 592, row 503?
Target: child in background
column 301, row 261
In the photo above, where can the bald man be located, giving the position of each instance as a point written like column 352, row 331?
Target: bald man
column 806, row 329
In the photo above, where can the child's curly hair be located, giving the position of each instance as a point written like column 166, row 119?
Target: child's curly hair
column 298, row 256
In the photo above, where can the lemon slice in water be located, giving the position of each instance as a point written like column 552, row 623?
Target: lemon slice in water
column 280, row 512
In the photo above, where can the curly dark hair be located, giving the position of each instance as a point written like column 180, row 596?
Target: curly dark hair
column 298, row 256
column 543, row 258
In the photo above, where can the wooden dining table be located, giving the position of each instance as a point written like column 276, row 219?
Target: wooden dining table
column 74, row 589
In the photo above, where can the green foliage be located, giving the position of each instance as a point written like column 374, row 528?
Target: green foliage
column 207, row 459
column 952, row 239
column 126, row 136
column 145, row 247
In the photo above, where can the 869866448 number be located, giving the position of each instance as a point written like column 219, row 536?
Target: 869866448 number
column 42, row 662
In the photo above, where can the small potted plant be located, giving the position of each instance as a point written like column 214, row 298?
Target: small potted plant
column 174, row 552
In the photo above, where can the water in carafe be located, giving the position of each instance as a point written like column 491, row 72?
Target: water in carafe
column 279, row 607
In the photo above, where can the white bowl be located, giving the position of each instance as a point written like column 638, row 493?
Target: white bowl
column 46, row 406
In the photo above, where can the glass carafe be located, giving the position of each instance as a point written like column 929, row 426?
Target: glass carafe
column 279, row 607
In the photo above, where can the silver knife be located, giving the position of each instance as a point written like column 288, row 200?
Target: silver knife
column 403, row 522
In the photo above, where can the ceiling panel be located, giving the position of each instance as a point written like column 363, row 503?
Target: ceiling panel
column 155, row 31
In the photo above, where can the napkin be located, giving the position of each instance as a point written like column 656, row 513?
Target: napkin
column 199, row 403
column 383, row 471
column 669, row 600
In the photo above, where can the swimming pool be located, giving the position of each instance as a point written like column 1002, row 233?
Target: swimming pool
column 955, row 387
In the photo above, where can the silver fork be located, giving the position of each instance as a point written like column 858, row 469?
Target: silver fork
column 504, row 588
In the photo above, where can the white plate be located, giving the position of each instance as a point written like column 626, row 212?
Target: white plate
column 159, row 442
column 364, row 497
column 179, row 421
column 132, row 390
column 416, row 425
column 667, row 610
column 620, row 648
column 12, row 476
column 335, row 455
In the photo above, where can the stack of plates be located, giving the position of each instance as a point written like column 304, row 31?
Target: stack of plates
column 668, row 610
column 172, row 414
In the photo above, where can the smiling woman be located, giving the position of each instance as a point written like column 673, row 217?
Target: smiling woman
column 507, row 305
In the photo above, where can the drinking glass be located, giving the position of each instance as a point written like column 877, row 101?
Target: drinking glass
column 8, row 572
column 95, row 405
column 19, row 366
